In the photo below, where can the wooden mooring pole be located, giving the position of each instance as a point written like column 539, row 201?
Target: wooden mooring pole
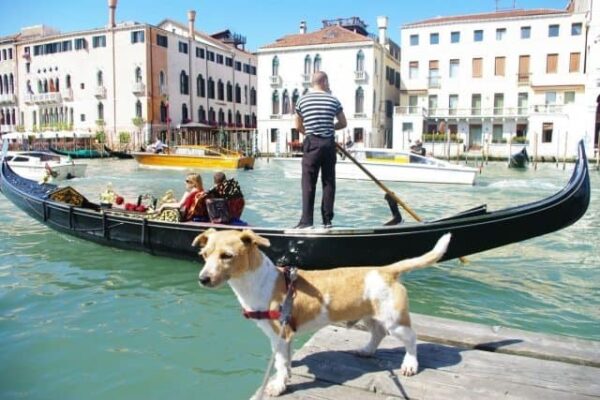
column 565, row 153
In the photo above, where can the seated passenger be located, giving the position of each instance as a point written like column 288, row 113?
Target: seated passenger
column 226, row 201
column 192, row 205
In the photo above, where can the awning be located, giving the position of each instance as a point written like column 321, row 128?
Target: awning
column 194, row 125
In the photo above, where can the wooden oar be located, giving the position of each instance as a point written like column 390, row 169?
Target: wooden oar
column 385, row 188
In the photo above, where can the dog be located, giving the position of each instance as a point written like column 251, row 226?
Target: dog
column 371, row 294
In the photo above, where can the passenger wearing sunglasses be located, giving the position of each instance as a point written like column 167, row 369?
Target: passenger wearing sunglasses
column 192, row 205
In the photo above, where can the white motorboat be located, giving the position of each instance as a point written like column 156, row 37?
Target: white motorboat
column 39, row 165
column 396, row 166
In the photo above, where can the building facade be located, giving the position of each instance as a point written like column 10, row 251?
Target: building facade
column 363, row 70
column 524, row 76
column 141, row 79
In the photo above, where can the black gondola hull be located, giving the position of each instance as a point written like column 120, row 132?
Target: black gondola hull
column 315, row 249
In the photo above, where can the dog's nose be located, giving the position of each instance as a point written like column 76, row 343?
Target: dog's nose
column 204, row 280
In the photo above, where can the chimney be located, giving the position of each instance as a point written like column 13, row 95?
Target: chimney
column 382, row 23
column 112, row 6
column 302, row 27
column 191, row 19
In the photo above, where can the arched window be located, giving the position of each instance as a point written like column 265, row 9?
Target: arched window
column 161, row 78
column 200, row 86
column 68, row 81
column 183, row 83
column 359, row 101
column 184, row 113
column 229, row 117
column 56, row 85
column 238, row 93
column 245, row 94
column 211, row 116
column 285, row 108
column 99, row 79
column 29, row 89
column 138, row 109
column 1, row 86
column 252, row 96
column 201, row 115
column 211, row 88
column 163, row 112
column 220, row 90
column 253, row 120
column 45, row 85
column 13, row 117
column 229, row 91
column 138, row 75
column 100, row 110
column 317, row 64
column 295, row 96
column 275, row 65
column 307, row 65
column 221, row 117
column 360, row 61
column 275, row 102
column 11, row 81
column 238, row 118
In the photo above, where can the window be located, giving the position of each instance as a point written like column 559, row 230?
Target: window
column 67, row 45
column 434, row 38
column 551, row 63
column 523, row 102
column 162, row 41
column 414, row 40
column 434, row 74
column 137, row 37
column 138, row 74
column 454, row 68
column 576, row 29
column 454, row 37
column 476, row 104
column 211, row 88
column 432, row 102
column 413, row 70
column 358, row 135
column 99, row 41
column 210, row 56
column 498, row 103
column 499, row 66
column 452, row 104
column 199, row 52
column 550, row 98
column 201, row 114
column 238, row 66
column 477, row 67
column 80, row 44
column 317, row 63
column 569, row 97
column 547, row 128
column 274, row 134
column 219, row 58
column 286, row 103
column 413, row 102
column 523, row 76
column 574, row 62
column 525, row 32
column 99, row 79
column 500, row 33
column 183, row 83
column 229, row 61
column 307, row 65
column 81, row 117
column 359, row 101
column 360, row 61
column 275, row 66
column 478, row 35
column 295, row 96
column 496, row 133
column 220, row 90
column 275, row 103
column 200, row 86
column 553, row 30
column 163, row 112
column 253, row 96
column 238, row 94
column 229, row 91
column 183, row 47
column 100, row 110
column 184, row 113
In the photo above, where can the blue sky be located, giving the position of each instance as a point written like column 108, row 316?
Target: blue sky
column 261, row 21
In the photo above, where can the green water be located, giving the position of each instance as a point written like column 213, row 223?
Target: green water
column 82, row 321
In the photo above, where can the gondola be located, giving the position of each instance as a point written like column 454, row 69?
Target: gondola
column 473, row 231
column 519, row 160
column 81, row 153
column 122, row 155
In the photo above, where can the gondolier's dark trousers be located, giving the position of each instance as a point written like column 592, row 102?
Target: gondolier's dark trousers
column 319, row 155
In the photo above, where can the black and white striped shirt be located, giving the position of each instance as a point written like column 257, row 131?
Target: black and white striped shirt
column 317, row 110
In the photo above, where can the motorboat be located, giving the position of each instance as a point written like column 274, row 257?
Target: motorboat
column 396, row 166
column 195, row 157
column 39, row 165
column 519, row 159
column 473, row 231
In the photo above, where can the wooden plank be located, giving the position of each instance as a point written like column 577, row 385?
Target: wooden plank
column 326, row 367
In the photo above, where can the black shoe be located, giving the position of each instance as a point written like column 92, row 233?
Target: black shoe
column 303, row 226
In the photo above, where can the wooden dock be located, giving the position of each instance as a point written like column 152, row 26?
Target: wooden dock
column 458, row 360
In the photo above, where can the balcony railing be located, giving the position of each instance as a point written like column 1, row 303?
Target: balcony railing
column 67, row 94
column 306, row 78
column 139, row 89
column 360, row 115
column 410, row 110
column 524, row 79
column 43, row 98
column 100, row 92
column 360, row 76
column 275, row 116
column 275, row 80
column 481, row 113
column 8, row 98
column 434, row 82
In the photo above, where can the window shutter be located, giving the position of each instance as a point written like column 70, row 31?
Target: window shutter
column 433, row 64
column 477, row 67
column 574, row 62
column 499, row 69
column 551, row 63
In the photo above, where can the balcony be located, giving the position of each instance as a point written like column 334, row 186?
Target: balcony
column 434, row 82
column 410, row 110
column 306, row 79
column 275, row 116
column 43, row 98
column 547, row 109
column 360, row 76
column 275, row 80
column 139, row 89
column 8, row 98
column 100, row 92
column 67, row 94
column 523, row 79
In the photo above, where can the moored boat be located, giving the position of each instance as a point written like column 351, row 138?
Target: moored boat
column 39, row 165
column 473, row 231
column 80, row 153
column 199, row 157
column 123, row 155
column 519, row 160
column 398, row 166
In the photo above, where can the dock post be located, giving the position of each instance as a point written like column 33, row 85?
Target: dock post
column 565, row 153
column 509, row 150
column 535, row 151
column 558, row 148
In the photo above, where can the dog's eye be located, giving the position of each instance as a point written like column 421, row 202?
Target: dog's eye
column 226, row 256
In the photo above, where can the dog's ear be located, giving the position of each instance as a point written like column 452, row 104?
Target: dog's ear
column 202, row 238
column 249, row 237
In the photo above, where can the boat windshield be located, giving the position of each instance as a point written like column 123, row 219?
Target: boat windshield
column 393, row 157
column 42, row 156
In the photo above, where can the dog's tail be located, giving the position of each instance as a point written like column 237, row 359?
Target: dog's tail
column 431, row 257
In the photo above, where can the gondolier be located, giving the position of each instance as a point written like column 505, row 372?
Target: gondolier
column 315, row 114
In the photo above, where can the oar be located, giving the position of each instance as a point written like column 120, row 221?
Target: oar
column 385, row 188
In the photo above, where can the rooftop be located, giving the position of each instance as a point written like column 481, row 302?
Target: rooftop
column 329, row 35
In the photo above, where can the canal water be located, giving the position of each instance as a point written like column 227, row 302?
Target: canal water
column 83, row 321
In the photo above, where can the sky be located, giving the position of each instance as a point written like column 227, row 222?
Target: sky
column 261, row 21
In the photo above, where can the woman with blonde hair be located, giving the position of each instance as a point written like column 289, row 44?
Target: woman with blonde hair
column 192, row 205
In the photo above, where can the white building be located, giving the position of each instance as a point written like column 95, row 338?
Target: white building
column 493, row 77
column 363, row 70
column 8, row 73
column 129, row 77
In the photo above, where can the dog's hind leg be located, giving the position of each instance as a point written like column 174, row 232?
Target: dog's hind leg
column 378, row 332
column 410, row 364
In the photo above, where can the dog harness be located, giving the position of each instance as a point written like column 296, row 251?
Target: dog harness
column 284, row 313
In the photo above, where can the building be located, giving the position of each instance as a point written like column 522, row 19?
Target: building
column 8, row 72
column 363, row 70
column 130, row 77
column 515, row 75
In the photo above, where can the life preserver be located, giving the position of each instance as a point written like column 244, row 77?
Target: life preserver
column 50, row 172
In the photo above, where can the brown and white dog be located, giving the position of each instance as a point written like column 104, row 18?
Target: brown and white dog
column 371, row 294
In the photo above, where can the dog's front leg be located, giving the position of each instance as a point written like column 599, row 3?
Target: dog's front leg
column 281, row 349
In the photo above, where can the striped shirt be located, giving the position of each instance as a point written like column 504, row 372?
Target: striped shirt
column 317, row 110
